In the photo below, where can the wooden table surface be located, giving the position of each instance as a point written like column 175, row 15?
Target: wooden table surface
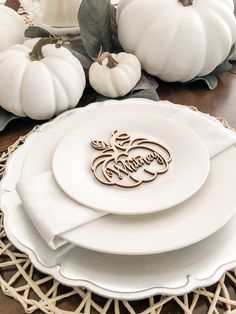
column 220, row 102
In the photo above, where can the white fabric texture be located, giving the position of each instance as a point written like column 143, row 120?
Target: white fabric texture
column 53, row 212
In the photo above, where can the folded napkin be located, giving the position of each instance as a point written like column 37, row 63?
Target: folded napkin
column 53, row 212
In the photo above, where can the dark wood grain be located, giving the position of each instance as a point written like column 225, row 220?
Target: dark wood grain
column 8, row 306
column 219, row 102
column 13, row 131
column 14, row 4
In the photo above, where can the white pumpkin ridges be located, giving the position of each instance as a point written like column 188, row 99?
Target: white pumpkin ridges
column 129, row 69
column 122, row 5
column 229, row 3
column 12, row 28
column 217, row 50
column 139, row 22
column 66, row 74
column 102, row 85
column 120, row 79
column 40, row 89
column 176, row 42
column 11, row 97
column 60, row 94
column 114, row 75
column 12, row 73
column 37, row 89
column 116, row 79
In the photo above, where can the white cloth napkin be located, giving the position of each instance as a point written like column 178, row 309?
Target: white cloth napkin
column 53, row 212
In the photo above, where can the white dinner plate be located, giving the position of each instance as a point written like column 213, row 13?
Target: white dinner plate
column 199, row 216
column 121, row 277
column 179, row 168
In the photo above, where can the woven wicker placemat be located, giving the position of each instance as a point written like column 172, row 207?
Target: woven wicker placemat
column 34, row 290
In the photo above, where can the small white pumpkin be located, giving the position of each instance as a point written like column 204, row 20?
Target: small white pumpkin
column 177, row 40
column 114, row 75
column 40, row 79
column 12, row 28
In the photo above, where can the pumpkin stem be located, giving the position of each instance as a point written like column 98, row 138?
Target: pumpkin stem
column 112, row 63
column 186, row 3
column 36, row 54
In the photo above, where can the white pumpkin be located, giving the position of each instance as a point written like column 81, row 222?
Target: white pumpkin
column 12, row 28
column 40, row 84
column 114, row 75
column 177, row 40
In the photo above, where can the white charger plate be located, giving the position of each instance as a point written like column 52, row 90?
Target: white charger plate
column 154, row 234
column 121, row 277
column 187, row 172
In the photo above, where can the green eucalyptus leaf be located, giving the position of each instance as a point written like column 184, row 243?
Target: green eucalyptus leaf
column 146, row 82
column 6, row 117
column 149, row 93
column 232, row 52
column 113, row 15
column 101, row 98
column 116, row 46
column 76, row 47
column 223, row 67
column 84, row 60
column 76, row 44
column 95, row 26
column 210, row 80
column 35, row 31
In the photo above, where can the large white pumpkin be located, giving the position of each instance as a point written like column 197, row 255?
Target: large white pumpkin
column 12, row 28
column 177, row 40
column 41, row 88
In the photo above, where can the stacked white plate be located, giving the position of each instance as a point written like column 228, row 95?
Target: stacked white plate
column 167, row 233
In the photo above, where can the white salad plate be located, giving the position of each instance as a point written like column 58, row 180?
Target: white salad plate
column 187, row 171
column 143, row 234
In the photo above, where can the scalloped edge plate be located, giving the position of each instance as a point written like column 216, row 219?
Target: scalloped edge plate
column 181, row 271
column 129, row 235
